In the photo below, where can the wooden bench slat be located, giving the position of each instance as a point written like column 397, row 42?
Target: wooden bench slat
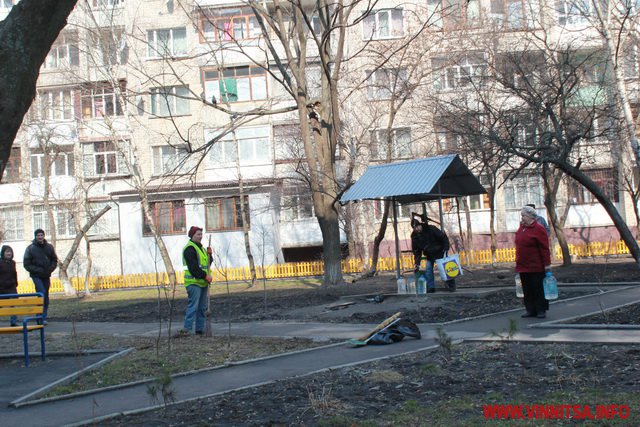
column 12, row 302
column 18, row 329
column 19, row 311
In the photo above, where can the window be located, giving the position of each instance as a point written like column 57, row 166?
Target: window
column 61, row 159
column 296, row 207
column 6, row 4
column 253, row 147
column 101, row 100
column 631, row 62
column 12, row 225
column 400, row 142
column 109, row 46
column 235, row 84
column 229, row 24
column 55, row 104
column 573, row 12
column 12, row 169
column 523, row 131
column 447, row 140
column 168, row 42
column 479, row 201
column 103, row 159
column 383, row 24
column 170, row 101
column 224, row 214
column 522, row 190
column 404, row 211
column 385, row 82
column 468, row 71
column 108, row 223
column 171, row 160
column 108, row 3
column 63, row 217
column 287, row 141
column 606, row 179
column 168, row 216
column 64, row 52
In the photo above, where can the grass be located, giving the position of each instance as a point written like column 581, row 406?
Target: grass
column 149, row 361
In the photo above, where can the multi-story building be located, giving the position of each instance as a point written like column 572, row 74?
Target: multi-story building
column 132, row 92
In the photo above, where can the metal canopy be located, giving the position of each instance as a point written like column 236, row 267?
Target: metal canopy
column 415, row 181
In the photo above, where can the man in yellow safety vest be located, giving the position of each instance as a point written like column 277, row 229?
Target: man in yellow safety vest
column 197, row 277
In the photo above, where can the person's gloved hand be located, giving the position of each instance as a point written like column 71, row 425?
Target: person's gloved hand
column 209, row 250
column 208, row 278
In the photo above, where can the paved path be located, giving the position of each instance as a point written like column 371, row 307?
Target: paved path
column 86, row 408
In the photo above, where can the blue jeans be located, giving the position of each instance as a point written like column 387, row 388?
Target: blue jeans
column 42, row 286
column 196, row 308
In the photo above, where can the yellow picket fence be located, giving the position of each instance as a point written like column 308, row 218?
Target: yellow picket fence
column 313, row 268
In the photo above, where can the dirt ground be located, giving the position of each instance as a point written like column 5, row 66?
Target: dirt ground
column 422, row 389
column 314, row 303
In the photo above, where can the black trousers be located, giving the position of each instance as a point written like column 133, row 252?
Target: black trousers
column 534, row 301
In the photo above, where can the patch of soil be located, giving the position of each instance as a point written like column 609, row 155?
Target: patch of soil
column 426, row 388
column 292, row 304
column 628, row 315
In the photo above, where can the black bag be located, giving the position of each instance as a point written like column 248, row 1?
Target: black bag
column 396, row 332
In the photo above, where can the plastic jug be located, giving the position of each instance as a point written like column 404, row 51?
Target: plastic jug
column 550, row 285
column 411, row 285
column 421, row 285
column 519, row 291
column 402, row 285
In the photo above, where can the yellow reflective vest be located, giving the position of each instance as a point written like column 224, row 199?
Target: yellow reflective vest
column 204, row 265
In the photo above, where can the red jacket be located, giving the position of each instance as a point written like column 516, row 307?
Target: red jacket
column 532, row 249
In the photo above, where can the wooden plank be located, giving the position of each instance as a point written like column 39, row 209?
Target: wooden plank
column 18, row 329
column 19, row 311
column 379, row 327
column 21, row 301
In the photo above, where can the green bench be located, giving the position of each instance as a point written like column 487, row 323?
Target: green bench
column 30, row 307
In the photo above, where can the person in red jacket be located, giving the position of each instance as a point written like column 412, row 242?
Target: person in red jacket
column 533, row 259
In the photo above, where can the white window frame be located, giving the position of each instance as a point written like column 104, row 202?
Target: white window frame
column 399, row 149
column 253, row 144
column 296, row 207
column 65, row 224
column 171, row 160
column 97, row 98
column 251, row 84
column 64, row 158
column 108, row 224
column 104, row 4
column 524, row 189
column 7, row 4
column 64, row 52
column 462, row 74
column 93, row 159
column 379, row 83
column 12, row 223
column 374, row 28
column 573, row 12
column 170, row 101
column 56, row 105
column 229, row 25
column 173, row 47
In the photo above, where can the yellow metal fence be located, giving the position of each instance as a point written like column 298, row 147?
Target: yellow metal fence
column 313, row 268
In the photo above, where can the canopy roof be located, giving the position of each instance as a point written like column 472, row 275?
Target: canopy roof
column 415, row 181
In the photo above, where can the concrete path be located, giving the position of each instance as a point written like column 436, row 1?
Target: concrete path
column 83, row 409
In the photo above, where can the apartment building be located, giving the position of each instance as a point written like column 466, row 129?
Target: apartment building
column 133, row 92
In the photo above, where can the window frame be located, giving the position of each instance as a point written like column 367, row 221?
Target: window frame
column 371, row 24
column 450, row 75
column 45, row 107
column 577, row 194
column 299, row 204
column 13, row 167
column 223, row 151
column 172, row 101
column 524, row 190
column 15, row 230
column 398, row 151
column 63, row 216
column 213, row 78
column 156, row 51
column 96, row 99
column 177, row 152
column 211, row 18
column 64, row 52
column 177, row 213
column 237, row 220
column 63, row 154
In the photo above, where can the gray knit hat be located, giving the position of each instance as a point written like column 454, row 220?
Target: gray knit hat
column 528, row 210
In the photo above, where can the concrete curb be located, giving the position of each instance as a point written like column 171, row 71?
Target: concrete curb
column 554, row 324
column 22, row 401
column 160, row 406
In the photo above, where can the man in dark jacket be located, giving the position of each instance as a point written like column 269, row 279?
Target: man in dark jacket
column 434, row 244
column 40, row 260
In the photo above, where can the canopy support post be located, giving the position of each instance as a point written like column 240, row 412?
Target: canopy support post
column 395, row 232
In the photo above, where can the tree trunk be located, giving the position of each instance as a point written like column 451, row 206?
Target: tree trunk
column 26, row 36
column 64, row 265
column 551, row 182
column 378, row 239
column 606, row 203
